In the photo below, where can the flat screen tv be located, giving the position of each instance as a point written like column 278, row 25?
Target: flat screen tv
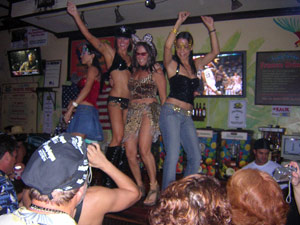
column 225, row 76
column 25, row 62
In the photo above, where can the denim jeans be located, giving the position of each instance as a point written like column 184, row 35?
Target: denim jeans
column 86, row 121
column 178, row 128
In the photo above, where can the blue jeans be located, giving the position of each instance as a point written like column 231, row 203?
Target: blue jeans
column 86, row 121
column 178, row 128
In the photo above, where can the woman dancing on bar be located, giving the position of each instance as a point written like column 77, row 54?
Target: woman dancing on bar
column 119, row 63
column 85, row 122
column 176, row 123
column 142, row 127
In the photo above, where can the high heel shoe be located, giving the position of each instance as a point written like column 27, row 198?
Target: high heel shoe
column 151, row 193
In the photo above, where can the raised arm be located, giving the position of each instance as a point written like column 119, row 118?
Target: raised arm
column 112, row 200
column 91, row 76
column 105, row 49
column 215, row 49
column 182, row 16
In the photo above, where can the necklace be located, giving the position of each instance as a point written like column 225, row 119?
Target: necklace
column 39, row 208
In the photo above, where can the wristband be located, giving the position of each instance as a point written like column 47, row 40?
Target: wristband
column 75, row 104
column 214, row 30
column 174, row 30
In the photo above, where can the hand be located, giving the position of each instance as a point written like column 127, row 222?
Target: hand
column 67, row 116
column 182, row 16
column 96, row 157
column 72, row 9
column 296, row 175
column 208, row 21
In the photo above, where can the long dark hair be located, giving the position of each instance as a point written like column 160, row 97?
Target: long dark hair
column 189, row 38
column 151, row 56
column 96, row 63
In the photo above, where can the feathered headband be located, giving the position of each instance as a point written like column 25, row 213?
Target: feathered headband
column 147, row 39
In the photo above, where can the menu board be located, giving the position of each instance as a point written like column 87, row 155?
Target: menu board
column 277, row 78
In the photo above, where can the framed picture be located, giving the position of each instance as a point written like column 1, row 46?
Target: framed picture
column 277, row 78
column 52, row 73
column 76, row 69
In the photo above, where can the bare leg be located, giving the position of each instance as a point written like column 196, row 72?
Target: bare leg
column 131, row 153
column 117, row 124
column 145, row 143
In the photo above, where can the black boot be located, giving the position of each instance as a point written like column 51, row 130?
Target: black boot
column 123, row 163
column 113, row 155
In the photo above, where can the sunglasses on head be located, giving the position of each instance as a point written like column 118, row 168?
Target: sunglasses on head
column 85, row 50
column 141, row 53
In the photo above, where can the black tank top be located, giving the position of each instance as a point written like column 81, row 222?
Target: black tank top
column 182, row 87
column 119, row 64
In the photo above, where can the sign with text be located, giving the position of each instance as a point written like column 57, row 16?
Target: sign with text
column 277, row 78
column 19, row 106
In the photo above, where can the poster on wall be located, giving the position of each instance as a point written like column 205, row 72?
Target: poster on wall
column 19, row 106
column 76, row 69
column 277, row 78
column 237, row 114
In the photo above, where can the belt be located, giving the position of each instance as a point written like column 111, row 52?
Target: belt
column 179, row 109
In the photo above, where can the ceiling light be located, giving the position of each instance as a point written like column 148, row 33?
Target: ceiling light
column 235, row 4
column 150, row 4
column 119, row 17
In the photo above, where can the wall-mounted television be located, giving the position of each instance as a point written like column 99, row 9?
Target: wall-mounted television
column 25, row 62
column 225, row 76
column 290, row 147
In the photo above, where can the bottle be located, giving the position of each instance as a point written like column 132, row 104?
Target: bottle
column 196, row 110
column 193, row 112
column 200, row 111
column 204, row 110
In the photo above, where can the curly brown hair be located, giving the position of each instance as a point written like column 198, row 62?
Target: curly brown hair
column 256, row 198
column 196, row 199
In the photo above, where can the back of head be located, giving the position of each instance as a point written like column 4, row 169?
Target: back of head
column 58, row 165
column 195, row 199
column 7, row 144
column 256, row 199
column 262, row 144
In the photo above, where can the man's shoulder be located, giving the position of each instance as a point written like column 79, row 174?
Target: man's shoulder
column 250, row 166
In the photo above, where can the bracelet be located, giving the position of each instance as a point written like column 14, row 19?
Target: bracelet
column 75, row 104
column 174, row 30
column 214, row 30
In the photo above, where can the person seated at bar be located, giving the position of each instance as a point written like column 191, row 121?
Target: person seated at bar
column 8, row 154
column 261, row 150
column 100, row 200
column 195, row 199
column 256, row 199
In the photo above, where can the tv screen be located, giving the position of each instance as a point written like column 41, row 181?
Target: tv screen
column 290, row 147
column 25, row 62
column 225, row 76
